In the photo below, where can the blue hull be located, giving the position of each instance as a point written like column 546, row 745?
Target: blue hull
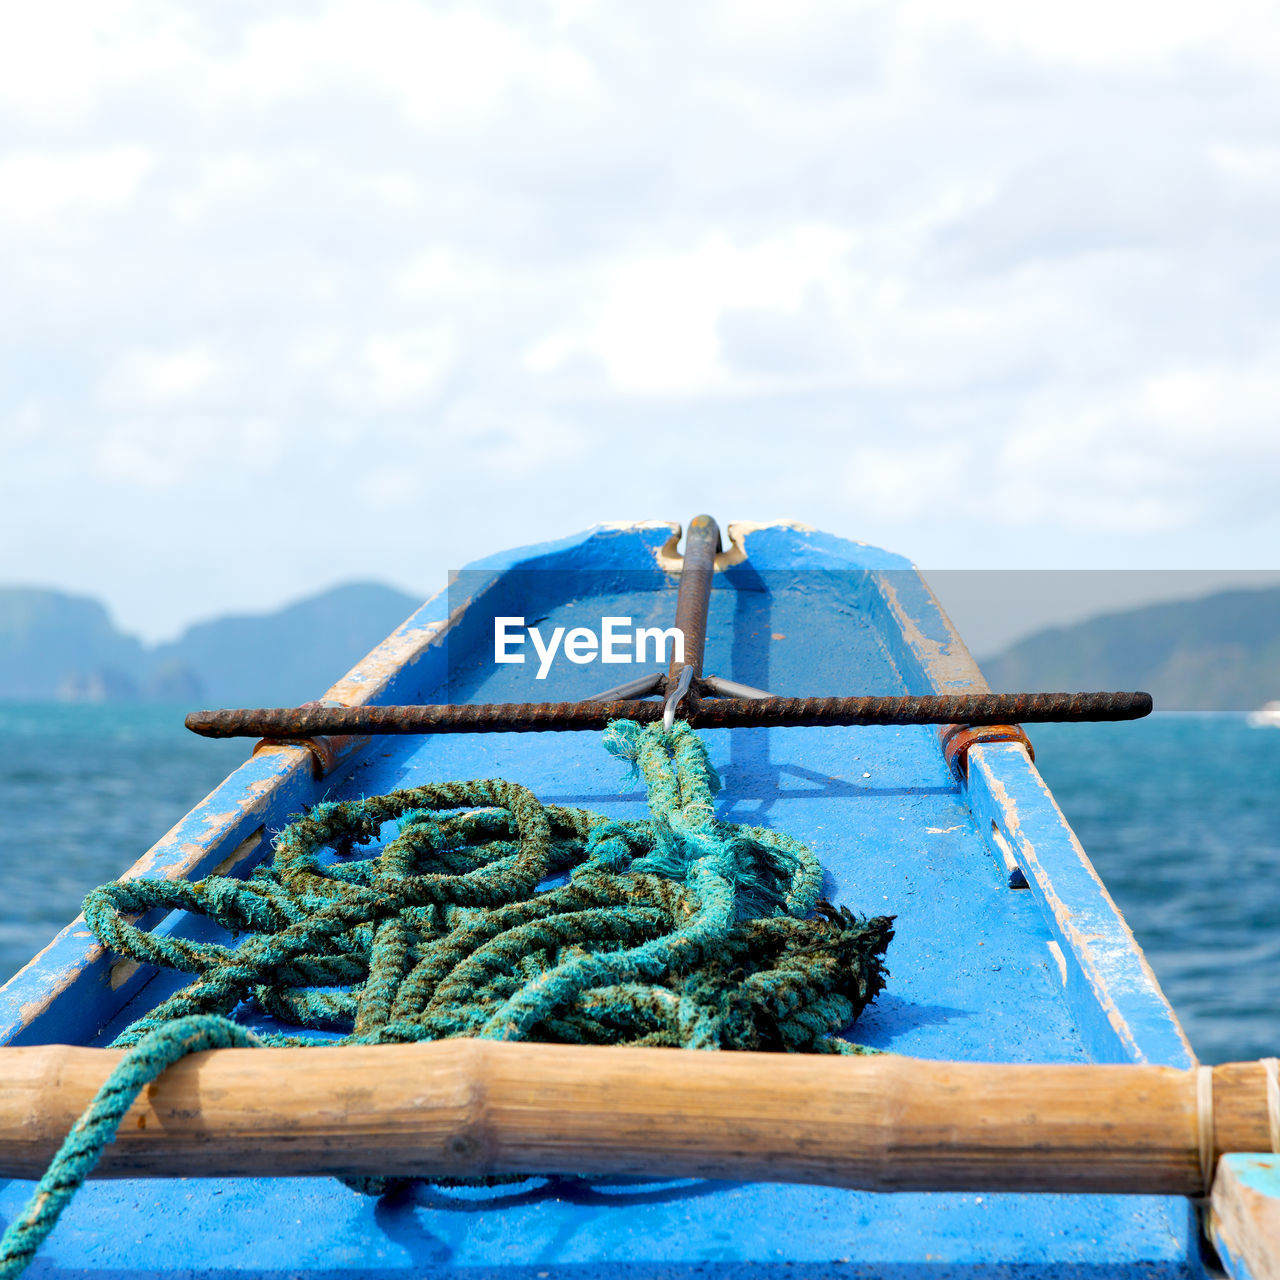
column 979, row 971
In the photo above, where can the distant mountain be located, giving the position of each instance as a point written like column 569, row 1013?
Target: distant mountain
column 54, row 645
column 284, row 658
column 58, row 646
column 1218, row 653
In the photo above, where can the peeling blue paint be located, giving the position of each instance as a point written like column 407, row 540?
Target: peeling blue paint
column 1252, row 1186
column 1114, row 995
column 1258, row 1172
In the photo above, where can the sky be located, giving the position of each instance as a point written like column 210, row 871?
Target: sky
column 294, row 294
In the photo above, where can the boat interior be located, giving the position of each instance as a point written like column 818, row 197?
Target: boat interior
column 1007, row 947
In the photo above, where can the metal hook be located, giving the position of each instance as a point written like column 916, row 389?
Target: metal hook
column 676, row 696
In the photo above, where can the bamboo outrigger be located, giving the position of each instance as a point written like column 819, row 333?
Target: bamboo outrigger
column 476, row 1108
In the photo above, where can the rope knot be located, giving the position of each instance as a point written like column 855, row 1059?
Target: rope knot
column 607, row 849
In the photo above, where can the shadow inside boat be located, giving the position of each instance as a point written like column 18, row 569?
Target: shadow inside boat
column 763, row 789
column 401, row 1217
column 889, row 1017
column 568, row 1189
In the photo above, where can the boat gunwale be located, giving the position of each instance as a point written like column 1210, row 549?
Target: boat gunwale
column 1109, row 985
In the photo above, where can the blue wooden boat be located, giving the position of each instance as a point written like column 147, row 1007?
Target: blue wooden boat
column 1008, row 948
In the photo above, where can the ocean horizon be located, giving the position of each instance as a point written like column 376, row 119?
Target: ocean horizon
column 1176, row 811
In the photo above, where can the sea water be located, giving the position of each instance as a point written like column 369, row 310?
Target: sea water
column 1178, row 813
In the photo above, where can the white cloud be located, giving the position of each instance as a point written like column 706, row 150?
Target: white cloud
column 147, row 455
column 655, row 319
column 1252, row 163
column 224, row 184
column 1094, row 32
column 449, row 70
column 394, row 370
column 184, row 453
column 36, row 185
column 391, row 485
column 158, row 378
column 888, row 482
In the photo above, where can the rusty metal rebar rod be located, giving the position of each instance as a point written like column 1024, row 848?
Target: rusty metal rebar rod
column 701, row 542
column 701, row 713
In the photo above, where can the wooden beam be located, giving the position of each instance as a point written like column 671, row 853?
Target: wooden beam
column 1244, row 1215
column 463, row 1108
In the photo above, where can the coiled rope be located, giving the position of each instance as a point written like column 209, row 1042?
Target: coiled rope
column 510, row 920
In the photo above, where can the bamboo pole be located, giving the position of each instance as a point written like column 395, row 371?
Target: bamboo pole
column 463, row 1108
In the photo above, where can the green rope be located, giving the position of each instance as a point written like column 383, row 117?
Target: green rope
column 83, row 1146
column 679, row 930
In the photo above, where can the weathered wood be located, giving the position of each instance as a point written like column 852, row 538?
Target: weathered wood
column 1244, row 1215
column 464, row 1108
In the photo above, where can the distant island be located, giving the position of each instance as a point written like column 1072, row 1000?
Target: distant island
column 1221, row 652
column 55, row 646
column 1218, row 653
